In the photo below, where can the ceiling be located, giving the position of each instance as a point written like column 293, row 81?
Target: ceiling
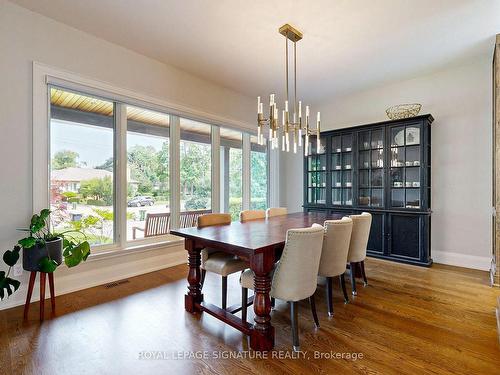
column 348, row 45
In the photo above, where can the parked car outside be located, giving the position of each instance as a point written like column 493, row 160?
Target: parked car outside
column 141, row 201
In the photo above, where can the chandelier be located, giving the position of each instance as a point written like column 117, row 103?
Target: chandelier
column 291, row 127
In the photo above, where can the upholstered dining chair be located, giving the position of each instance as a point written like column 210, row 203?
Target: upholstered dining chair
column 357, row 248
column 252, row 215
column 334, row 256
column 294, row 276
column 276, row 211
column 216, row 261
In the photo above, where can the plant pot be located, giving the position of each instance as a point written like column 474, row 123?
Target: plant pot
column 33, row 256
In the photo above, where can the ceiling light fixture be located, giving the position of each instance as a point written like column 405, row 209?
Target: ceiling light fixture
column 290, row 127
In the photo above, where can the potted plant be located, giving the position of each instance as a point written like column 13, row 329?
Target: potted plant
column 43, row 251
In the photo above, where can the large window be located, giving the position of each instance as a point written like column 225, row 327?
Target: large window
column 147, row 171
column 231, row 172
column 117, row 178
column 82, row 165
column 258, row 175
column 195, row 166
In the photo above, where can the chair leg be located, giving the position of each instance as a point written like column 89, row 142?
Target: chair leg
column 202, row 281
column 224, row 292
column 329, row 297
column 353, row 278
column 295, row 325
column 363, row 274
column 244, row 298
column 344, row 290
column 313, row 310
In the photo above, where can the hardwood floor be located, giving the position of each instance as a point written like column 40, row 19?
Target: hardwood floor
column 408, row 320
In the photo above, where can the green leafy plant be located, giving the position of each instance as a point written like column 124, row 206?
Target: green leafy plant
column 39, row 230
column 75, row 251
column 10, row 257
column 197, row 203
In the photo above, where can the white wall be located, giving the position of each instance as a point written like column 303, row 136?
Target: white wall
column 26, row 37
column 459, row 98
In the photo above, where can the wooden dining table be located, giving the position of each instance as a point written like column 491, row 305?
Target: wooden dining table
column 256, row 241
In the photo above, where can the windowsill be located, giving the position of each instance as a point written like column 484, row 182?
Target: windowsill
column 134, row 249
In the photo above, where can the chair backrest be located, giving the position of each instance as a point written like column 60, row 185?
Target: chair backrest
column 276, row 211
column 359, row 238
column 252, row 215
column 157, row 224
column 335, row 247
column 208, row 220
column 190, row 218
column 296, row 273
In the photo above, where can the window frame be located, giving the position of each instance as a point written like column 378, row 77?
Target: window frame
column 45, row 77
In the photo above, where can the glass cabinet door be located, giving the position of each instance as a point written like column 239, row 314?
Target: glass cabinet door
column 405, row 171
column 341, row 169
column 371, row 157
column 316, row 173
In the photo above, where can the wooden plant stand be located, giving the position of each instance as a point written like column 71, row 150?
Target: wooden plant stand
column 43, row 277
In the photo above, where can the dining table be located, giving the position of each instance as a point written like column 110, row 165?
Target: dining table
column 256, row 241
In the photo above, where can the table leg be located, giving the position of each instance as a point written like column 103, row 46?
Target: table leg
column 262, row 337
column 194, row 294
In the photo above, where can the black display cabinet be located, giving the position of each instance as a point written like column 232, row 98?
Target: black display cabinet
column 384, row 169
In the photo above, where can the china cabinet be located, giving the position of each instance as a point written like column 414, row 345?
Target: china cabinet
column 382, row 168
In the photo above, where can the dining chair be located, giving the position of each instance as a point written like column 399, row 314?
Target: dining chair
column 357, row 248
column 216, row 261
column 276, row 211
column 294, row 277
column 334, row 256
column 252, row 215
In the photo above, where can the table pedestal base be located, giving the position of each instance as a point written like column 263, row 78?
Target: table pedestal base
column 262, row 332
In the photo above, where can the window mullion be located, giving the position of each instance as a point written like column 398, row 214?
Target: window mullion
column 268, row 176
column 246, row 171
column 121, row 175
column 174, row 171
column 215, row 204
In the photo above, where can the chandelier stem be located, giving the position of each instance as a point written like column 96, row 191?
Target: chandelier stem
column 286, row 66
column 295, row 80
